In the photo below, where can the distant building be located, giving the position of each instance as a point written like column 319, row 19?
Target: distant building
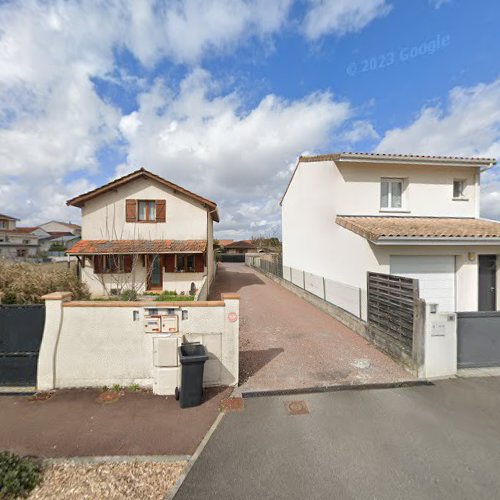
column 240, row 247
column 15, row 243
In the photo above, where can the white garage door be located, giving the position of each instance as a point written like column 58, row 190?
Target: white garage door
column 436, row 277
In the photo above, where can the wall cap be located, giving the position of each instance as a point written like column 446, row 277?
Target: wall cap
column 57, row 296
column 142, row 304
column 230, row 296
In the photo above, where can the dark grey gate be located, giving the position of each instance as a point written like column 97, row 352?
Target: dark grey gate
column 478, row 339
column 21, row 330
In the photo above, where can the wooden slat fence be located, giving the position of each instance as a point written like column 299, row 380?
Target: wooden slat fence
column 392, row 303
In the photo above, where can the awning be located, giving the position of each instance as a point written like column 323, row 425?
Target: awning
column 410, row 229
column 96, row 247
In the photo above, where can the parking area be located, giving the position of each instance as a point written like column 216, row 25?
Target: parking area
column 287, row 343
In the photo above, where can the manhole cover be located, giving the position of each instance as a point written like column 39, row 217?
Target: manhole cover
column 297, row 407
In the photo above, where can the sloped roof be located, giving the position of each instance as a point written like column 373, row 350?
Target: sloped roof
column 78, row 201
column 92, row 247
column 8, row 217
column 376, row 228
column 241, row 244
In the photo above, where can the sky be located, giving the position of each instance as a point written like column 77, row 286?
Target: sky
column 222, row 96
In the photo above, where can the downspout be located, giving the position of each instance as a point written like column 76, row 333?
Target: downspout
column 209, row 264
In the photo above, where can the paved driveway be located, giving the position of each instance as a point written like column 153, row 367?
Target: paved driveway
column 440, row 441
column 287, row 343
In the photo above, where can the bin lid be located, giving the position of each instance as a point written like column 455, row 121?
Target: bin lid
column 192, row 353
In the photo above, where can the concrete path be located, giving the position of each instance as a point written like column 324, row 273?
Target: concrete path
column 74, row 424
column 287, row 343
column 440, row 441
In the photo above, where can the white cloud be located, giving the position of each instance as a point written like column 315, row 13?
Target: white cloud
column 467, row 125
column 439, row 3
column 212, row 144
column 341, row 16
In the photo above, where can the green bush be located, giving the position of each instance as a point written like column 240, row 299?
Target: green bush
column 128, row 295
column 168, row 296
column 18, row 476
column 25, row 283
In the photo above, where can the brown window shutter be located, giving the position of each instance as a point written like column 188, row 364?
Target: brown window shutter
column 97, row 264
column 161, row 210
column 131, row 210
column 170, row 263
column 128, row 262
column 199, row 263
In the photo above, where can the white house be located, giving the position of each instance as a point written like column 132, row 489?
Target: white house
column 15, row 243
column 145, row 233
column 418, row 216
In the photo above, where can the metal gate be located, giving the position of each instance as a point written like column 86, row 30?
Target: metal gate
column 478, row 339
column 21, row 330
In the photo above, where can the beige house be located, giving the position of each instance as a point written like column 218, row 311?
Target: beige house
column 145, row 233
column 417, row 216
column 15, row 243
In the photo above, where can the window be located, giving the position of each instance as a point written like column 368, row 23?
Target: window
column 26, row 242
column 458, row 189
column 3, row 224
column 21, row 252
column 113, row 264
column 391, row 193
column 185, row 263
column 146, row 210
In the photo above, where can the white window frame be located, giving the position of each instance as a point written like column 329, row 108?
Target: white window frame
column 462, row 197
column 389, row 207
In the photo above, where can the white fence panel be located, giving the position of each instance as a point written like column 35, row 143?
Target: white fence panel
column 297, row 277
column 287, row 273
column 345, row 296
column 314, row 284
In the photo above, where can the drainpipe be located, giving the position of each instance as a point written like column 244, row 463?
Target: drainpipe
column 209, row 264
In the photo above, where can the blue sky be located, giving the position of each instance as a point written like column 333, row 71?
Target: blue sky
column 222, row 96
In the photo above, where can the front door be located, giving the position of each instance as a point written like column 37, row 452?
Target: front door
column 155, row 273
column 487, row 282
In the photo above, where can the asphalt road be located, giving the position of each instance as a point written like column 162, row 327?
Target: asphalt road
column 440, row 441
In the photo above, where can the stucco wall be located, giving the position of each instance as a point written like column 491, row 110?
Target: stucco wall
column 104, row 216
column 96, row 344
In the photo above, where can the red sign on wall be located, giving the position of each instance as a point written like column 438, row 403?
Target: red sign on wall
column 232, row 317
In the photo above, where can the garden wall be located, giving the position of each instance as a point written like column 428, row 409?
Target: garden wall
column 96, row 343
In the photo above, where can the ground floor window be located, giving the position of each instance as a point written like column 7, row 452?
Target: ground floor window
column 185, row 263
column 112, row 264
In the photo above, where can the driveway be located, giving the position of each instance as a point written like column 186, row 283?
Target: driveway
column 73, row 423
column 287, row 343
column 440, row 441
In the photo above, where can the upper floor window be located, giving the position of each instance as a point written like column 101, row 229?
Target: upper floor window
column 145, row 210
column 391, row 193
column 458, row 189
column 3, row 224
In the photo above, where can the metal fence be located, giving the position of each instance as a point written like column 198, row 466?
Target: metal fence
column 349, row 298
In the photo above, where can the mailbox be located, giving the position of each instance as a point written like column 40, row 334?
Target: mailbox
column 169, row 323
column 152, row 324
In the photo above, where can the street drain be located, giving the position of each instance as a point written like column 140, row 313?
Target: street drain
column 297, row 407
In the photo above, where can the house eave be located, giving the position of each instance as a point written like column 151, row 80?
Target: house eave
column 447, row 241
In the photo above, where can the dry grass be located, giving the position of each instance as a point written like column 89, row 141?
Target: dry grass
column 25, row 283
column 121, row 480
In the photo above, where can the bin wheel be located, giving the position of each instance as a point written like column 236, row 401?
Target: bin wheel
column 177, row 393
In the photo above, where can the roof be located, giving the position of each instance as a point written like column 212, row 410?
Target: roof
column 241, row 244
column 91, row 247
column 78, row 201
column 26, row 229
column 8, row 217
column 348, row 156
column 376, row 229
column 223, row 243
column 67, row 224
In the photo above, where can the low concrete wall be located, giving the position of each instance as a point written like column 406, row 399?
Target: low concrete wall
column 96, row 343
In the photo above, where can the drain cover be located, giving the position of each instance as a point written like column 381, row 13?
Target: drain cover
column 297, row 407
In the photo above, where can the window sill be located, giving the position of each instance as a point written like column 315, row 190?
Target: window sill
column 460, row 199
column 394, row 210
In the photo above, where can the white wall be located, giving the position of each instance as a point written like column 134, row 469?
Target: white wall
column 95, row 344
column 103, row 218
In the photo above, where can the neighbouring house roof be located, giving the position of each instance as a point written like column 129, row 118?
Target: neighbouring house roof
column 348, row 156
column 78, row 201
column 223, row 243
column 26, row 229
column 377, row 229
column 15, row 232
column 67, row 224
column 396, row 157
column 91, row 247
column 7, row 217
column 241, row 244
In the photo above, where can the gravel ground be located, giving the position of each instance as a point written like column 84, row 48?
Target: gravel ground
column 130, row 480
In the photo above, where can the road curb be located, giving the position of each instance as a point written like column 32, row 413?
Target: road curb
column 117, row 459
column 171, row 494
column 334, row 388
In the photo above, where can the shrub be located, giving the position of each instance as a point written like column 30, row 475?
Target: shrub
column 18, row 476
column 167, row 296
column 128, row 295
column 25, row 283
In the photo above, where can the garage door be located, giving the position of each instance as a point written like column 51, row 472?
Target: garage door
column 436, row 277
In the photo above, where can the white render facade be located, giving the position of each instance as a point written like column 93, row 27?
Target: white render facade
column 174, row 252
column 326, row 188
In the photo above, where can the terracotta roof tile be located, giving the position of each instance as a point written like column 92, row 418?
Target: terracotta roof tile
column 373, row 228
column 241, row 244
column 91, row 247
